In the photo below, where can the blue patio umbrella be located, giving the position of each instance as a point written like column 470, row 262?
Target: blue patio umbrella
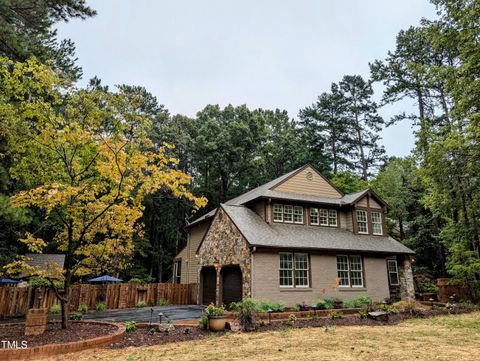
column 105, row 278
column 7, row 280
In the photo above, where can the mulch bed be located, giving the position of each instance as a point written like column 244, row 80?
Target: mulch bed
column 142, row 337
column 54, row 334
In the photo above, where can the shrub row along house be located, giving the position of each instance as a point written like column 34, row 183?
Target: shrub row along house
column 295, row 239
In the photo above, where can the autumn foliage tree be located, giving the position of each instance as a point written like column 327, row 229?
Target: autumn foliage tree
column 85, row 158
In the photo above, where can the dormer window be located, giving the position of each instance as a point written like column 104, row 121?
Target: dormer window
column 377, row 223
column 277, row 213
column 298, row 214
column 288, row 214
column 362, row 224
column 323, row 217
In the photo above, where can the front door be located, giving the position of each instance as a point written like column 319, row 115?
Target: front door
column 231, row 284
column 209, row 285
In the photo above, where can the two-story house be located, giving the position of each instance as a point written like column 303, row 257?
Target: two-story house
column 295, row 239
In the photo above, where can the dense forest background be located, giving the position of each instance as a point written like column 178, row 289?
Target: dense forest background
column 434, row 193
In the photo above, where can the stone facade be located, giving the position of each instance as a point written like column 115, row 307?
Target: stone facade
column 407, row 288
column 224, row 245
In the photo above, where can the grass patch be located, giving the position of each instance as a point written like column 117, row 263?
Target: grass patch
column 453, row 337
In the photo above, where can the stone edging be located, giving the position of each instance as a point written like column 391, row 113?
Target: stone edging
column 63, row 348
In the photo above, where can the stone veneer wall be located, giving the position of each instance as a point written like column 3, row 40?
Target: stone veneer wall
column 407, row 288
column 224, row 245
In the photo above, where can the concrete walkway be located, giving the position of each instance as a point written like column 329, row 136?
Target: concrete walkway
column 144, row 314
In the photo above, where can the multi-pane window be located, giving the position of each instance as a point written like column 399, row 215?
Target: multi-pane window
column 286, row 269
column 323, row 217
column 314, row 216
column 277, row 213
column 288, row 214
column 298, row 214
column 301, row 270
column 356, row 272
column 350, row 271
column 177, row 271
column 294, row 270
column 343, row 271
column 377, row 223
column 332, row 217
column 362, row 224
column 392, row 272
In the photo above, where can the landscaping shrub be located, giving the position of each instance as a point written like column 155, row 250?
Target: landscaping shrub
column 130, row 326
column 203, row 322
column 362, row 314
column 152, row 331
column 390, row 309
column 187, row 331
column 55, row 309
column 325, row 304
column 264, row 306
column 291, row 320
column 358, row 302
column 83, row 308
column 426, row 286
column 335, row 315
column 247, row 313
column 75, row 316
column 141, row 304
column 234, row 306
column 163, row 302
column 467, row 305
column 404, row 306
column 100, row 306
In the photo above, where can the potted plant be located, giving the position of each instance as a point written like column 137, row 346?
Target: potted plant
column 216, row 319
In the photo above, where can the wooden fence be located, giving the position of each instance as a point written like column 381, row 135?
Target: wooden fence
column 15, row 301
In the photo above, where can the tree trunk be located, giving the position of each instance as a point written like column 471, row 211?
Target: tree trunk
column 400, row 226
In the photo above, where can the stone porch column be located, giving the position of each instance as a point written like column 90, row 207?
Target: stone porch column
column 218, row 301
column 407, row 288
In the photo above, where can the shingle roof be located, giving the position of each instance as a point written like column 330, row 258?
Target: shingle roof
column 259, row 233
column 45, row 261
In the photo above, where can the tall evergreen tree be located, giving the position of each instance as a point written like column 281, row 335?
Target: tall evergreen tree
column 364, row 123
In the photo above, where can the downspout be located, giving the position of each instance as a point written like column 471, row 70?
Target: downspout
column 252, row 265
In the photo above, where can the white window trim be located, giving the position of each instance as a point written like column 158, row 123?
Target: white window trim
column 292, row 269
column 317, row 215
column 377, row 223
column 308, row 271
column 284, row 207
column 281, row 213
column 361, row 271
column 294, row 209
column 336, row 218
column 396, row 271
column 366, row 221
column 347, row 270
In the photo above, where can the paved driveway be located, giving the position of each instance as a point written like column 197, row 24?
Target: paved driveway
column 189, row 312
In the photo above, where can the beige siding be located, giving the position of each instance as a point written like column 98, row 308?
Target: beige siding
column 346, row 220
column 374, row 203
column 265, row 279
column 363, row 202
column 308, row 181
column 259, row 208
column 183, row 257
column 189, row 261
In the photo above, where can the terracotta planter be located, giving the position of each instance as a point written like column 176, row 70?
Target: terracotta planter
column 216, row 323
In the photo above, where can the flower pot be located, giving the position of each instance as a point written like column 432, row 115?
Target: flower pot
column 216, row 323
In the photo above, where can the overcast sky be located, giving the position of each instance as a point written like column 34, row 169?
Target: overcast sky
column 263, row 53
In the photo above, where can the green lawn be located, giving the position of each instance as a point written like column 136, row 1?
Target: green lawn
column 455, row 337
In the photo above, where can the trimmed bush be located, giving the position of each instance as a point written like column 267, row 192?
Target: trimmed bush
column 130, row 326
column 325, row 304
column 100, row 306
column 83, row 308
column 141, row 304
column 55, row 309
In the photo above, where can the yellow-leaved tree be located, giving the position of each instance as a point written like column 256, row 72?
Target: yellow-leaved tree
column 84, row 157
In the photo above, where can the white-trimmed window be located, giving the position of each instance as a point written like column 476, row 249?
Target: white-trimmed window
column 362, row 223
column 377, row 223
column 343, row 271
column 294, row 270
column 314, row 216
column 298, row 214
column 288, row 214
column 177, row 271
column 323, row 217
column 332, row 217
column 392, row 272
column 350, row 271
column 277, row 213
column 301, row 270
column 286, row 269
